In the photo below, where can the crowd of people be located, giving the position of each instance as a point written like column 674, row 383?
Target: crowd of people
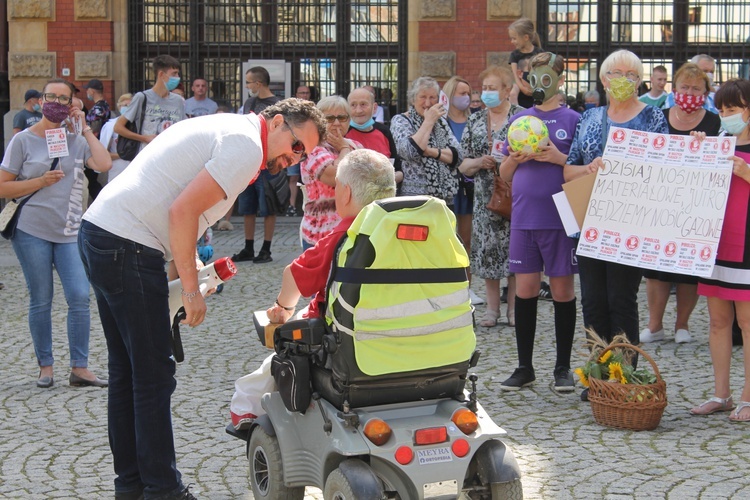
column 454, row 148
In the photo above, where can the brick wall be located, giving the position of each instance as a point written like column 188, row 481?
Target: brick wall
column 66, row 36
column 471, row 36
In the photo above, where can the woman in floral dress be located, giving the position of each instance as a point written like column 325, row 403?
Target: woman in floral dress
column 490, row 235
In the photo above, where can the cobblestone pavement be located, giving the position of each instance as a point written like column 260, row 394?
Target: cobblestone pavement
column 53, row 443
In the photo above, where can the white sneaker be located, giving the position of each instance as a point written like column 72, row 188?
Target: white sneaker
column 682, row 336
column 649, row 336
column 475, row 299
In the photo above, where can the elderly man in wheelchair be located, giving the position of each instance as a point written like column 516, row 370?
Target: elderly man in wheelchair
column 364, row 396
column 390, row 319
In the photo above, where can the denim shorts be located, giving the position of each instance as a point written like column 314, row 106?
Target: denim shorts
column 293, row 170
column 252, row 201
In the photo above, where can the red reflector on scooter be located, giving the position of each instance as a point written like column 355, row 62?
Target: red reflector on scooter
column 412, row 232
column 404, row 455
column 431, row 435
column 460, row 447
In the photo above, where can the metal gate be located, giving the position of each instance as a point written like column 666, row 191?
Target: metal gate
column 332, row 45
column 666, row 32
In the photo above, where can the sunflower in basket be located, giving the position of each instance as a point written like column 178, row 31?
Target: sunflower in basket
column 614, row 365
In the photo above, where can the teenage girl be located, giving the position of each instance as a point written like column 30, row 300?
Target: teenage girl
column 728, row 288
column 526, row 41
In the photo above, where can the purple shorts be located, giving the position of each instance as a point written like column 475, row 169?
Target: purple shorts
column 548, row 250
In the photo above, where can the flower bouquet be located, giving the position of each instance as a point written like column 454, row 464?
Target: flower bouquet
column 620, row 395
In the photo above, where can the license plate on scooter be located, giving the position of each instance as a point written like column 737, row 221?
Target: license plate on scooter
column 441, row 490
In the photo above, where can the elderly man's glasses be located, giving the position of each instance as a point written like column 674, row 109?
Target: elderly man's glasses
column 62, row 99
column 340, row 118
column 630, row 75
column 297, row 147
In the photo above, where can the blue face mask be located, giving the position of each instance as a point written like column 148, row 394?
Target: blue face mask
column 589, row 105
column 733, row 124
column 173, row 82
column 123, row 109
column 369, row 123
column 37, row 107
column 491, row 98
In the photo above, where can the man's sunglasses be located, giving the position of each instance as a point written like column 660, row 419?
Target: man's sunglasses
column 298, row 147
column 340, row 118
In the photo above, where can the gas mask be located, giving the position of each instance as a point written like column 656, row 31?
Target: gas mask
column 544, row 80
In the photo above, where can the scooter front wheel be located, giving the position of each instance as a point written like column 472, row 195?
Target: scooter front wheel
column 266, row 468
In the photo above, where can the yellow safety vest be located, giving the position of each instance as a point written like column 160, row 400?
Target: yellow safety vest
column 405, row 301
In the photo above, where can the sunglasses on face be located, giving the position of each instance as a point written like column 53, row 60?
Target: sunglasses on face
column 297, row 147
column 340, row 118
column 62, row 99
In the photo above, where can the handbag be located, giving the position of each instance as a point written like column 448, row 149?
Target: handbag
column 501, row 200
column 127, row 149
column 12, row 210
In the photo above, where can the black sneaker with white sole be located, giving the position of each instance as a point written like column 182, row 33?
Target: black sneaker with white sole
column 564, row 380
column 522, row 377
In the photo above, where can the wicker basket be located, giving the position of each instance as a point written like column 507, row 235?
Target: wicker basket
column 628, row 406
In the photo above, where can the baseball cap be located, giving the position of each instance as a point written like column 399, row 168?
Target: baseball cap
column 95, row 84
column 31, row 94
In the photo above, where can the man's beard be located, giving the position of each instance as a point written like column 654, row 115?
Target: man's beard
column 275, row 165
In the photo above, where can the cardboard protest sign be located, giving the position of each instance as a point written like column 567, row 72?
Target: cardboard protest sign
column 659, row 202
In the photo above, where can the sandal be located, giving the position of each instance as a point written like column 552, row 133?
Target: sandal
column 489, row 319
column 723, row 404
column 735, row 416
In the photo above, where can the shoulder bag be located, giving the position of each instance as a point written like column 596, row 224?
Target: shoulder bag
column 501, row 201
column 127, row 149
column 11, row 212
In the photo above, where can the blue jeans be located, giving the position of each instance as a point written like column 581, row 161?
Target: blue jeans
column 609, row 297
column 37, row 256
column 131, row 289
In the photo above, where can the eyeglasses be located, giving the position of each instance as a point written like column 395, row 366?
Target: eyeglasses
column 340, row 118
column 250, row 82
column 630, row 75
column 62, row 99
column 297, row 147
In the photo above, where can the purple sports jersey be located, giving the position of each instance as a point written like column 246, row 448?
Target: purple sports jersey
column 535, row 182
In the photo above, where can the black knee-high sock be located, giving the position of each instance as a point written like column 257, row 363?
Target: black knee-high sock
column 250, row 245
column 565, row 329
column 525, row 330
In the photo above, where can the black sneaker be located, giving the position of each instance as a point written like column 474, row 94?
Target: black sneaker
column 263, row 256
column 186, row 495
column 504, row 295
column 544, row 292
column 564, row 380
column 522, row 377
column 291, row 211
column 244, row 255
column 585, row 394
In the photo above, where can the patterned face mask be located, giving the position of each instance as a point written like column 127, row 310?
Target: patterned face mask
column 622, row 88
column 689, row 103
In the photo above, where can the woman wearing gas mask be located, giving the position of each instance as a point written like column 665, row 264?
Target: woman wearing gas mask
column 609, row 290
column 538, row 241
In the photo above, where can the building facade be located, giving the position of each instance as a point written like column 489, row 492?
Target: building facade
column 336, row 45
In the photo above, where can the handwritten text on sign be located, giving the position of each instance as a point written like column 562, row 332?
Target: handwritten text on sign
column 659, row 202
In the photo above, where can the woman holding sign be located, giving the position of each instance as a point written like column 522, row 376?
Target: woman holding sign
column 45, row 164
column 690, row 87
column 728, row 288
column 609, row 291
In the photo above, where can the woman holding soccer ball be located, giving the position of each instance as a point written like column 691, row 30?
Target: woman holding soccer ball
column 538, row 241
column 609, row 290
